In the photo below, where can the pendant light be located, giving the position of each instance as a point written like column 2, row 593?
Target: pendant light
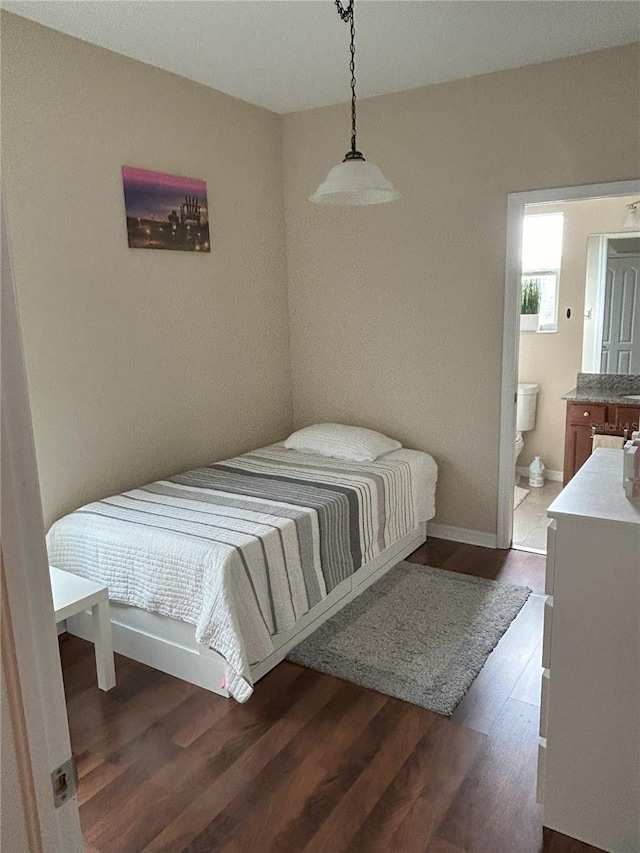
column 355, row 180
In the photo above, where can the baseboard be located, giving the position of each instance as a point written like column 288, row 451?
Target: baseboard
column 461, row 534
column 556, row 476
column 529, row 550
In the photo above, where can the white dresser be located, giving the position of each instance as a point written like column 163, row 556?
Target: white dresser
column 589, row 753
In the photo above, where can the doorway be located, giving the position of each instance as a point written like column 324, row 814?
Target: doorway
column 612, row 340
column 556, row 313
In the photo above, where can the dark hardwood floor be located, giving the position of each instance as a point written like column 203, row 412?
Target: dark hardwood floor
column 315, row 764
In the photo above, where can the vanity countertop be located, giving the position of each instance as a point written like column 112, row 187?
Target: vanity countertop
column 606, row 388
column 593, row 396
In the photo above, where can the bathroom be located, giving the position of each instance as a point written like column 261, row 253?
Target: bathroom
column 579, row 357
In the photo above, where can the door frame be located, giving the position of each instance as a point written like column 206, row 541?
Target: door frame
column 596, row 355
column 511, row 327
column 30, row 659
column 597, row 251
column 602, row 280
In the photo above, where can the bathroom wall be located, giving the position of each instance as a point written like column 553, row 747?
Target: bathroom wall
column 553, row 359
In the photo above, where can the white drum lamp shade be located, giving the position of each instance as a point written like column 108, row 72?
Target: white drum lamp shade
column 354, row 182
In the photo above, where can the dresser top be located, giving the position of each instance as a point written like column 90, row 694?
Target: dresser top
column 596, row 491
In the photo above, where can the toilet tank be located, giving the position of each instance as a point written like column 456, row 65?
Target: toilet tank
column 526, row 406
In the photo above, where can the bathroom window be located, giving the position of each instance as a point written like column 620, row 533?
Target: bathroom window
column 541, row 258
column 548, row 281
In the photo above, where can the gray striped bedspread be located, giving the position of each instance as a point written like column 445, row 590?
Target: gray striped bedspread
column 243, row 548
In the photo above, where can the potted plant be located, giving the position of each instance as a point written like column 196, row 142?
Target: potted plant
column 530, row 306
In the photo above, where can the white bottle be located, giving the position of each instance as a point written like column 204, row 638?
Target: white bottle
column 536, row 473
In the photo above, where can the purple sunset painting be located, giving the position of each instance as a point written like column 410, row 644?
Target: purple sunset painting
column 165, row 211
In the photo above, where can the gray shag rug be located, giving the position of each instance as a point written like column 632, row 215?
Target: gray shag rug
column 419, row 634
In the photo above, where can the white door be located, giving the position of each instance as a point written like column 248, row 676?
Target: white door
column 621, row 325
column 32, row 689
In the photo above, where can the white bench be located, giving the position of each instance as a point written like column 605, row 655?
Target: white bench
column 73, row 594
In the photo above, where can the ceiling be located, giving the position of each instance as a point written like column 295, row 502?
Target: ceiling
column 289, row 55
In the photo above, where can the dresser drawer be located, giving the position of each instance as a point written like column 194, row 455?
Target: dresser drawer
column 546, row 636
column 542, row 760
column 586, row 413
column 550, row 573
column 544, row 702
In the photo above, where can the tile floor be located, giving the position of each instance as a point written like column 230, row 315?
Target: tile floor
column 530, row 518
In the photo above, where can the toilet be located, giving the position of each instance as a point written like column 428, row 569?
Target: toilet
column 526, row 411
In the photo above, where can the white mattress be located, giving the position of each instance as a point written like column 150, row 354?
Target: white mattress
column 244, row 548
column 424, row 474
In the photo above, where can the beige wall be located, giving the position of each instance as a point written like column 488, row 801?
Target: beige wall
column 396, row 311
column 140, row 362
column 553, row 360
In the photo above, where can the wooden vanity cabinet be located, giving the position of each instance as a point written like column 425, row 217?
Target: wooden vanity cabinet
column 607, row 418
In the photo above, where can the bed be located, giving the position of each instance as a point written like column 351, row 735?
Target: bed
column 216, row 573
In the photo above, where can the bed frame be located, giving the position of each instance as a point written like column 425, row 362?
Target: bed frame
column 170, row 646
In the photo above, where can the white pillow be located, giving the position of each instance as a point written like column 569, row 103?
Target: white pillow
column 342, row 442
